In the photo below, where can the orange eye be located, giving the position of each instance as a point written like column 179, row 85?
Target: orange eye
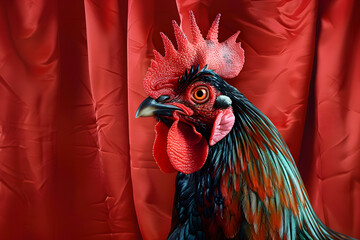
column 200, row 94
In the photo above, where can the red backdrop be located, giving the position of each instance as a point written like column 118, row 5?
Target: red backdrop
column 76, row 164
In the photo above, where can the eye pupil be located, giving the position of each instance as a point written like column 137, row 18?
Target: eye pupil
column 200, row 93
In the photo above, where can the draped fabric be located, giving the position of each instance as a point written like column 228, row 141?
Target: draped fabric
column 76, row 164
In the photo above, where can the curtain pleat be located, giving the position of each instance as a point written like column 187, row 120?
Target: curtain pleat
column 106, row 42
column 28, row 95
column 330, row 160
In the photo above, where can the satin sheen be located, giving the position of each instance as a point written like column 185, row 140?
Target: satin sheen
column 76, row 164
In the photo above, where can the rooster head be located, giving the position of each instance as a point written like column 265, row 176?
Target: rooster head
column 189, row 98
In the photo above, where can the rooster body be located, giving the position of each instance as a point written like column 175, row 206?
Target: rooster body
column 237, row 178
column 249, row 187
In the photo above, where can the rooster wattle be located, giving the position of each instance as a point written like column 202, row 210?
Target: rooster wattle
column 237, row 178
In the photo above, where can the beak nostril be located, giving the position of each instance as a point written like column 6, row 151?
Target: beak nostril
column 162, row 98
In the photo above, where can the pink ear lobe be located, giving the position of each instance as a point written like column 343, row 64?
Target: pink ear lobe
column 223, row 124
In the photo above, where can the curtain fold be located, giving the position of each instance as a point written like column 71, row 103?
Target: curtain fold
column 28, row 87
column 106, row 44
column 76, row 164
column 331, row 151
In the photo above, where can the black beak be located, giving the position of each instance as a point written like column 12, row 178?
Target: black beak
column 150, row 107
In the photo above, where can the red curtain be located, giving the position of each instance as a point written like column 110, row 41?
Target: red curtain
column 76, row 164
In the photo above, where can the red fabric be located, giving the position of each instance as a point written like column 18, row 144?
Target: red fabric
column 330, row 157
column 76, row 164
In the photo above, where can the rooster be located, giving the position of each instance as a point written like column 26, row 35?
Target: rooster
column 236, row 177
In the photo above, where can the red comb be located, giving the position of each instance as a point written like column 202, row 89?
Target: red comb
column 226, row 58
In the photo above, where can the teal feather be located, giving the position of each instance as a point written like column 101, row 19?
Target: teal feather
column 249, row 187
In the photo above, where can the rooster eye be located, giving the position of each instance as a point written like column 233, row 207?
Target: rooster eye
column 200, row 94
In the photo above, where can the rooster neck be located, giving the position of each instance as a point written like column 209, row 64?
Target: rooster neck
column 249, row 187
column 252, row 134
column 233, row 171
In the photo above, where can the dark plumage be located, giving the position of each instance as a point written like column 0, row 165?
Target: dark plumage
column 249, row 187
